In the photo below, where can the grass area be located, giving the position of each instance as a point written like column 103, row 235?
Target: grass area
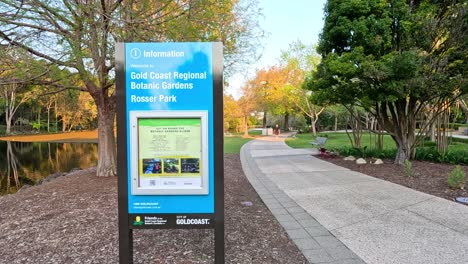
column 233, row 144
column 341, row 140
column 457, row 151
column 458, row 146
column 338, row 140
column 255, row 132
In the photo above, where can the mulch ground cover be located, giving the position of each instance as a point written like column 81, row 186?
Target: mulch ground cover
column 426, row 176
column 73, row 219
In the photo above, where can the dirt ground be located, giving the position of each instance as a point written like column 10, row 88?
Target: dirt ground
column 73, row 219
column 426, row 176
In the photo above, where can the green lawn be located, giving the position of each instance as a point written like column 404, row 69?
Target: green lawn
column 458, row 146
column 337, row 140
column 233, row 144
column 457, row 151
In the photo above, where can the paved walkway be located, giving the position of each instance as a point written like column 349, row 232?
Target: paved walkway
column 335, row 215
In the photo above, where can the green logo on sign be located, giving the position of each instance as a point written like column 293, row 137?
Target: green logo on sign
column 137, row 221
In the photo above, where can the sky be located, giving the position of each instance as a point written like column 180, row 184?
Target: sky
column 286, row 21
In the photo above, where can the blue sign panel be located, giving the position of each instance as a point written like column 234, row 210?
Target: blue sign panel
column 169, row 112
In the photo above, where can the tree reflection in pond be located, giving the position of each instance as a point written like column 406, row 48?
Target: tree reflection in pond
column 28, row 163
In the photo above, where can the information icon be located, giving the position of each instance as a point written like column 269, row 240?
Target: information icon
column 135, row 53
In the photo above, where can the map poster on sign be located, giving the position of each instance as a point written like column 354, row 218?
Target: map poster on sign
column 168, row 154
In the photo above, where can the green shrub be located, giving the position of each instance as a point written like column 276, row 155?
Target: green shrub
column 367, row 153
column 457, row 125
column 427, row 153
column 459, row 140
column 456, row 178
column 428, row 143
column 408, row 168
column 453, row 156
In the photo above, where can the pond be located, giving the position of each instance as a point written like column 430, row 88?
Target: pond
column 26, row 163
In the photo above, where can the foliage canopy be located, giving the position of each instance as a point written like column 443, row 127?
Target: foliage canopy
column 397, row 59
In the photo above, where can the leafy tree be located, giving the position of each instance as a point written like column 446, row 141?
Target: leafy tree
column 231, row 113
column 74, row 108
column 246, row 107
column 271, row 92
column 80, row 36
column 18, row 71
column 298, row 63
column 279, row 90
column 463, row 104
column 394, row 58
column 259, row 88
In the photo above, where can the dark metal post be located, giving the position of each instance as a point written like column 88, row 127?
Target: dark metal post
column 125, row 233
column 218, row 151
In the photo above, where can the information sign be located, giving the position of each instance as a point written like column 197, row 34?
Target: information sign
column 170, row 139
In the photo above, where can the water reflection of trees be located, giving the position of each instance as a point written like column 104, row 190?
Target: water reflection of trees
column 11, row 171
column 27, row 163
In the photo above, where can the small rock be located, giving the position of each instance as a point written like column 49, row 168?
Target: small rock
column 350, row 158
column 378, row 161
column 247, row 203
column 361, row 161
column 463, row 200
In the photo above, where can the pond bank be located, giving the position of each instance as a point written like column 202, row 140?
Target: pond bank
column 81, row 136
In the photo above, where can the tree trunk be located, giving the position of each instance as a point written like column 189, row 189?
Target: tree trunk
column 313, row 124
column 49, row 106
column 405, row 151
column 64, row 124
column 433, row 132
column 379, row 138
column 401, row 155
column 264, row 118
column 246, row 126
column 39, row 120
column 8, row 119
column 336, row 122
column 286, row 121
column 48, row 119
column 106, row 147
column 357, row 131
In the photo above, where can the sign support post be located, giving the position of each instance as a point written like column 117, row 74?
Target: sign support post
column 125, row 233
column 219, row 152
column 170, row 139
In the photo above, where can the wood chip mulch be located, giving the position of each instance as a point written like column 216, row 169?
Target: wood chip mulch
column 73, row 219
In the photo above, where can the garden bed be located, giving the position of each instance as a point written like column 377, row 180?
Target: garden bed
column 426, row 176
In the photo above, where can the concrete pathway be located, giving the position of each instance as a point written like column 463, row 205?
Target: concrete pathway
column 335, row 215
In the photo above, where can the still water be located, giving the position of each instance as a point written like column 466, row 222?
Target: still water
column 24, row 163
